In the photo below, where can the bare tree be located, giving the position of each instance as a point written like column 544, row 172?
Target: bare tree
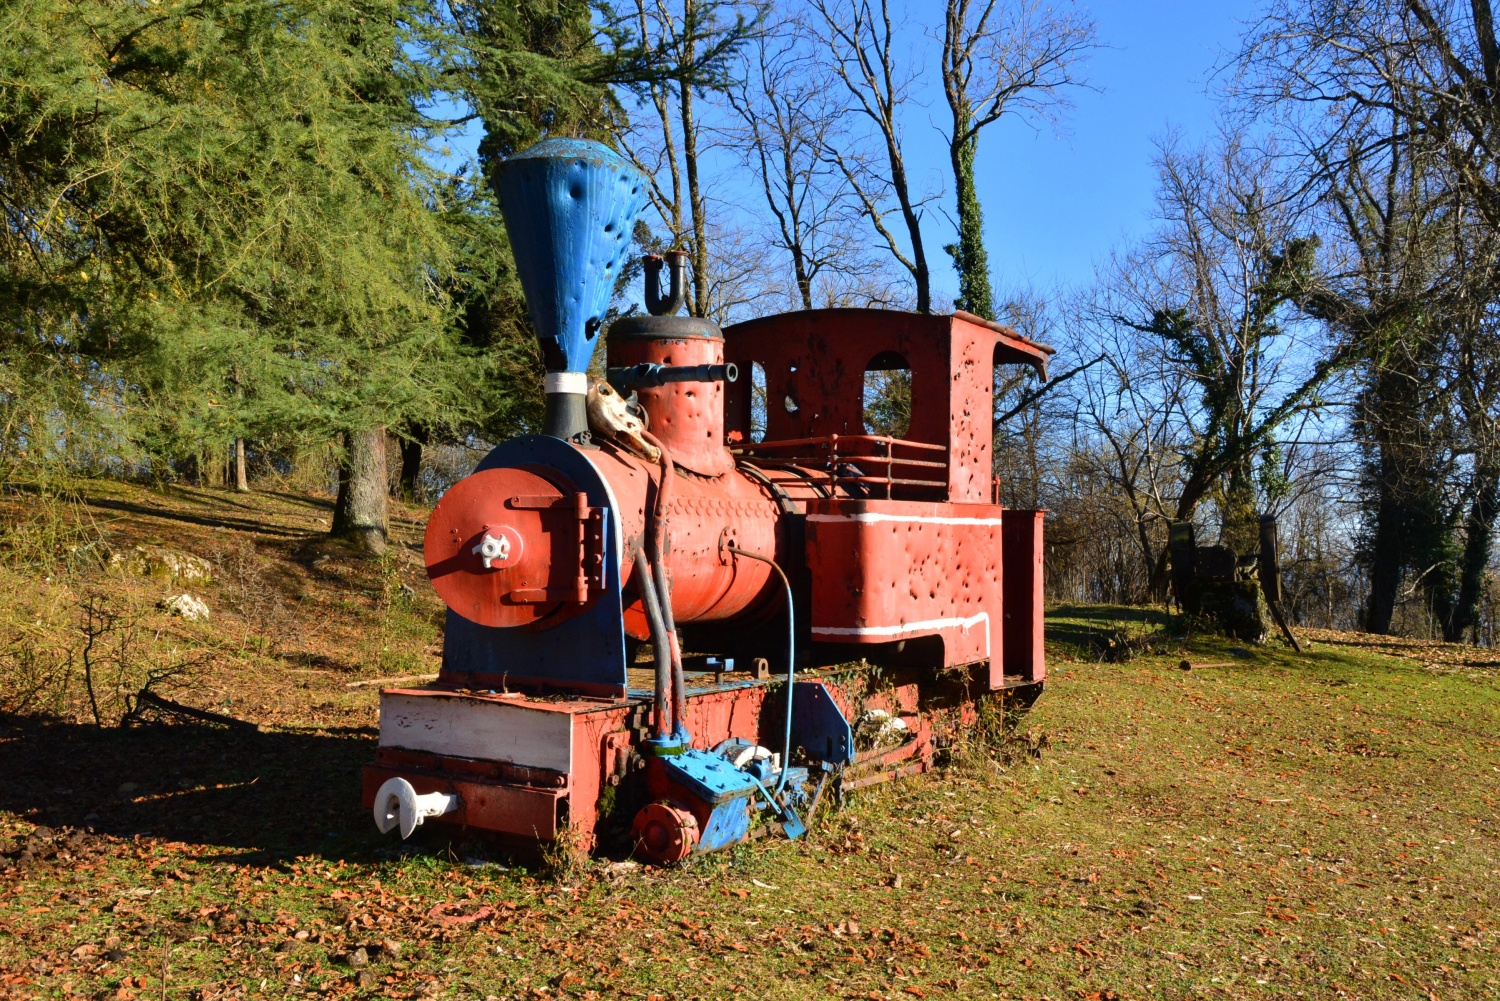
column 741, row 269
column 1211, row 292
column 858, row 39
column 682, row 43
column 1393, row 104
column 1000, row 57
column 1431, row 65
column 1125, row 439
column 785, row 120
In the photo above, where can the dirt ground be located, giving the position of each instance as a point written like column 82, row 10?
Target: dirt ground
column 1259, row 824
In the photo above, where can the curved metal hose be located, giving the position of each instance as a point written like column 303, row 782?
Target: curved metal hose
column 791, row 658
column 656, row 540
column 661, row 647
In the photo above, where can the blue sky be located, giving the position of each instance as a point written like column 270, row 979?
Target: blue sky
column 1055, row 204
column 1058, row 200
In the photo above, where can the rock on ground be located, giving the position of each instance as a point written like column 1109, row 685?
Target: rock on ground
column 190, row 608
column 156, row 561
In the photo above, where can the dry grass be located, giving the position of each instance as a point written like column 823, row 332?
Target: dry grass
column 1317, row 826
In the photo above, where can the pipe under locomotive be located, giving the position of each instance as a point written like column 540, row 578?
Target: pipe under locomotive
column 758, row 567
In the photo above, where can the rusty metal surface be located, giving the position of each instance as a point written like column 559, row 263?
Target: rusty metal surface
column 861, row 465
column 893, row 545
column 885, row 571
column 885, row 775
column 814, row 364
column 606, row 732
column 704, row 515
column 1024, row 661
column 688, row 417
column 553, row 539
column 486, row 805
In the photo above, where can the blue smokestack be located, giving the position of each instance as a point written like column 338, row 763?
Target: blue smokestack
column 570, row 207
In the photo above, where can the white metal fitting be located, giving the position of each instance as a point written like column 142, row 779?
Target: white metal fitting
column 397, row 804
column 565, row 382
column 491, row 548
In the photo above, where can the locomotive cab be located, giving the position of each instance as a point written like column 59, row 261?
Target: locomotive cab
column 905, row 537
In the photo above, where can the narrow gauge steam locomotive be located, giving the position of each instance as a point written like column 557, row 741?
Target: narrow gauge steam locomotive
column 757, row 570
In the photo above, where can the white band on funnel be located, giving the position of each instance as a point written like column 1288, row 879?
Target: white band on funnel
column 566, row 382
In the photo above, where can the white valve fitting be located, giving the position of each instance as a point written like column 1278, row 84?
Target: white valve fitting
column 397, row 804
column 491, row 548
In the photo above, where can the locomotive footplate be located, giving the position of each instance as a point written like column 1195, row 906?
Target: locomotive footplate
column 535, row 767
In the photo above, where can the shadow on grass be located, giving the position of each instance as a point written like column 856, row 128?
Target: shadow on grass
column 302, row 500
column 1088, row 629
column 273, row 795
column 203, row 520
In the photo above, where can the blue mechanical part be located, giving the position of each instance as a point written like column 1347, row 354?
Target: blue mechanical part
column 589, row 648
column 791, row 824
column 728, row 824
column 733, row 793
column 795, row 791
column 570, row 207
column 712, row 779
column 819, row 726
column 709, row 777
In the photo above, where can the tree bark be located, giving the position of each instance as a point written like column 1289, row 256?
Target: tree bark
column 409, row 486
column 1480, row 536
column 690, row 162
column 1385, row 556
column 877, row 86
column 921, row 274
column 241, row 475
column 360, row 510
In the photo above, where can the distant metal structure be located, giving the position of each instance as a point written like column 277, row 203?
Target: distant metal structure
column 1269, row 570
column 823, row 605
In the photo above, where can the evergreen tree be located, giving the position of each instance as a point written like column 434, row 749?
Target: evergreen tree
column 223, row 225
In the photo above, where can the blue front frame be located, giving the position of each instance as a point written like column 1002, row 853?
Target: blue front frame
column 586, row 651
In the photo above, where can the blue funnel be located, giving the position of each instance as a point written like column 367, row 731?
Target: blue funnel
column 570, row 207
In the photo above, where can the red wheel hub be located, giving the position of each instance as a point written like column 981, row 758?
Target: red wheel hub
column 665, row 833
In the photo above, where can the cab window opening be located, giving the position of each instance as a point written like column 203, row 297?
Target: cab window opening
column 887, row 395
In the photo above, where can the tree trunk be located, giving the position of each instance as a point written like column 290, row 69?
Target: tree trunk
column 920, row 272
column 1385, row 559
column 1239, row 524
column 359, row 512
column 690, row 162
column 241, row 475
column 969, row 255
column 1480, row 535
column 409, row 486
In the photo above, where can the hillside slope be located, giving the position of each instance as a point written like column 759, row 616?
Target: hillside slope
column 294, row 617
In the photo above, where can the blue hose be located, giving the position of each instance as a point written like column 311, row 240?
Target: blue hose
column 791, row 660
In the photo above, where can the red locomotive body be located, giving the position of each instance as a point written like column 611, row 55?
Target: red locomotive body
column 769, row 576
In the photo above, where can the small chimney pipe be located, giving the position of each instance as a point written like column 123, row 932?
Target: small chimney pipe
column 677, row 294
